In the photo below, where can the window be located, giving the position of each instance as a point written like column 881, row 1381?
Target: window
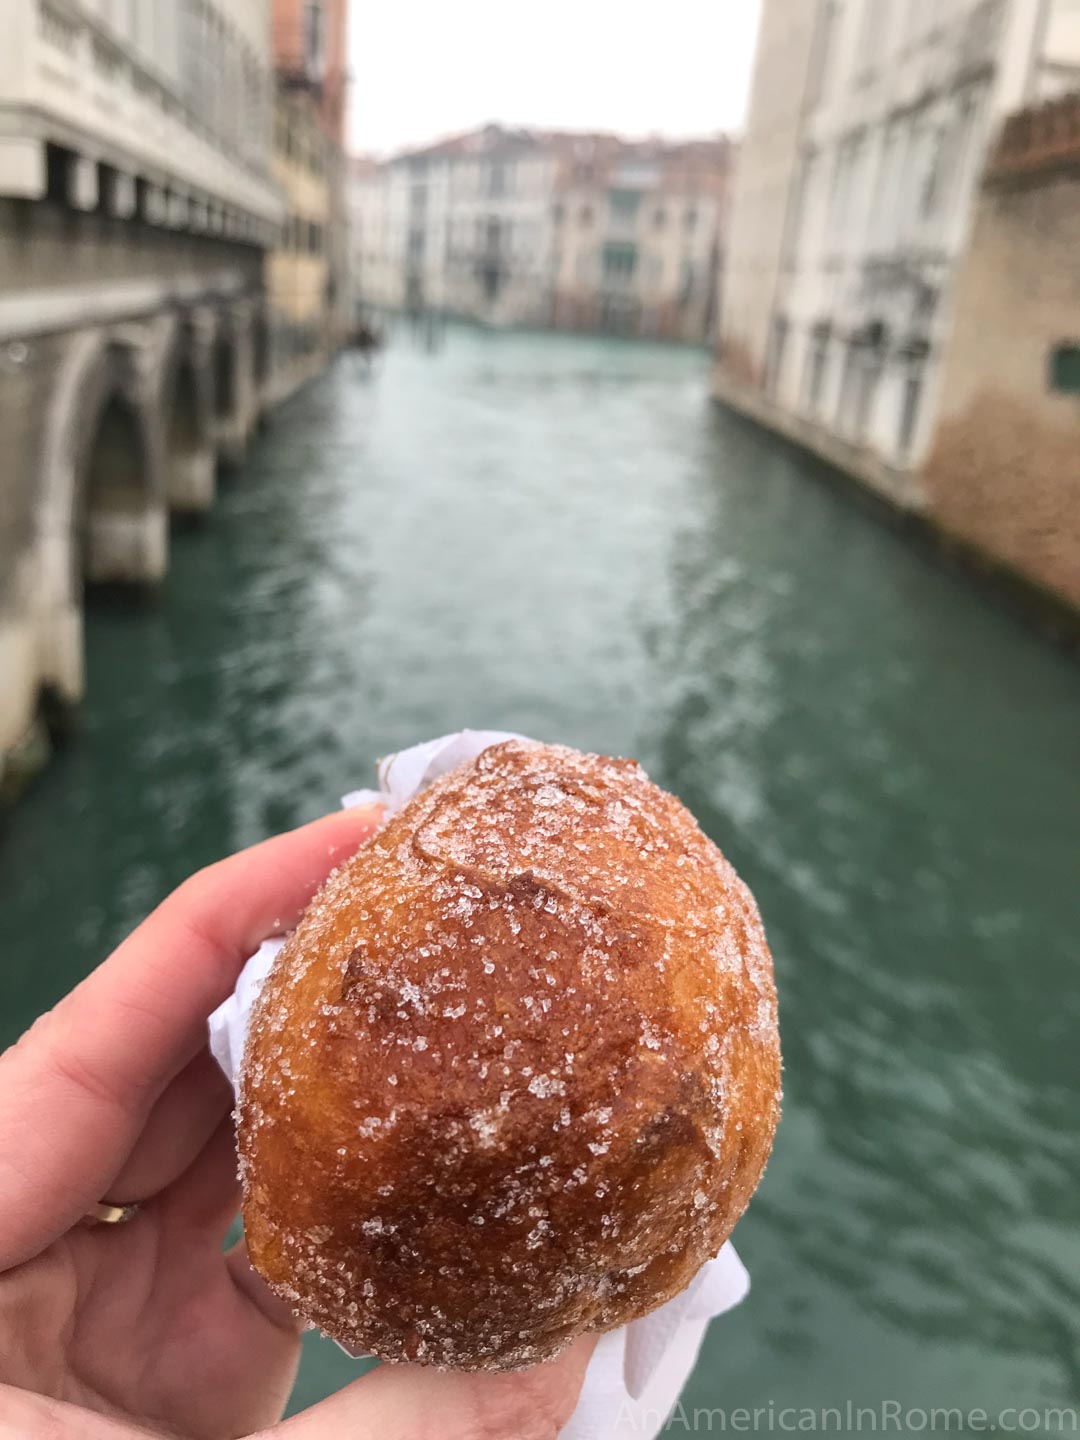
column 817, row 358
column 251, row 118
column 881, row 226
column 856, row 214
column 585, row 216
column 848, row 381
column 909, row 412
column 624, row 203
column 822, row 58
column 774, row 362
column 557, row 214
column 903, row 202
column 869, row 379
column 869, row 41
column 840, row 195
column 314, row 38
column 620, row 260
column 1064, row 368
column 937, row 171
column 797, row 214
column 947, row 172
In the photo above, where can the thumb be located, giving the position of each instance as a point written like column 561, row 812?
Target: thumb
column 415, row 1402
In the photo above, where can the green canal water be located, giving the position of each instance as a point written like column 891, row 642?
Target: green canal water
column 564, row 537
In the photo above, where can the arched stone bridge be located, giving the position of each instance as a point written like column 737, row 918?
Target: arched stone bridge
column 117, row 405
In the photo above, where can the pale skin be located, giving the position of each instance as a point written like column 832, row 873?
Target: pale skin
column 149, row 1328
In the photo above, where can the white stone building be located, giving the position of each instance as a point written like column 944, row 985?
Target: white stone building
column 640, row 234
column 868, row 129
column 366, row 218
column 174, row 96
column 136, row 210
column 516, row 227
column 500, row 243
column 463, row 227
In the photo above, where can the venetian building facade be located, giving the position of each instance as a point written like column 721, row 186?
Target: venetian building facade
column 874, row 118
column 638, row 236
column 298, row 268
column 312, row 81
column 1003, row 473
column 136, row 208
column 364, row 201
column 500, row 240
column 517, row 227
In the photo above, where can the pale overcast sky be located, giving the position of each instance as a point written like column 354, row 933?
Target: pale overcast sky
column 432, row 67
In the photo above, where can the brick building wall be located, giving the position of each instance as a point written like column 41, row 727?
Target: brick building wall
column 1003, row 473
column 309, row 39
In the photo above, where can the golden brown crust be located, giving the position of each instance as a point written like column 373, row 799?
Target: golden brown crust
column 516, row 1074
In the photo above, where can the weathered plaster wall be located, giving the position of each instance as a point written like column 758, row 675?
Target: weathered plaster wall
column 1004, row 471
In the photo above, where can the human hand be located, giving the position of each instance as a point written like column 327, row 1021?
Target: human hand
column 149, row 1327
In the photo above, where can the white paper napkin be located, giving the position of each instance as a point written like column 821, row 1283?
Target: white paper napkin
column 636, row 1373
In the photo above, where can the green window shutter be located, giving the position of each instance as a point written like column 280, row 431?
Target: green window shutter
column 1065, row 368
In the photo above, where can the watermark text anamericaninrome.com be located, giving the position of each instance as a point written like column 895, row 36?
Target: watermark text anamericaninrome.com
column 888, row 1416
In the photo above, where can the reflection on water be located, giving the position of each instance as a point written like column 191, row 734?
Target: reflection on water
column 894, row 766
column 561, row 536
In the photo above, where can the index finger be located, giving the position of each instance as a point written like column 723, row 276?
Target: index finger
column 418, row 1402
column 76, row 1089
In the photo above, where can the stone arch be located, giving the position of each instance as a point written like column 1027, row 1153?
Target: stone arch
column 119, row 510
column 101, row 508
column 118, row 521
column 188, row 419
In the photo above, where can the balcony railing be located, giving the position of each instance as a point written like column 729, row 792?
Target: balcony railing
column 78, row 75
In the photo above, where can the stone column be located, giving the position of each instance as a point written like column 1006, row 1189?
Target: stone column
column 24, row 740
column 191, row 462
column 234, row 429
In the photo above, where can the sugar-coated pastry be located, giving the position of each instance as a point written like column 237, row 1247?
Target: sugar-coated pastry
column 516, row 1074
